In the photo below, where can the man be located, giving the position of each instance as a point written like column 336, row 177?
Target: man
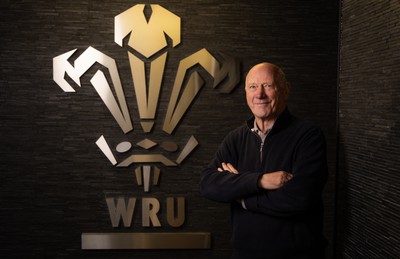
column 272, row 170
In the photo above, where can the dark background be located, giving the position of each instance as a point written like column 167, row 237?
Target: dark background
column 54, row 179
column 368, row 189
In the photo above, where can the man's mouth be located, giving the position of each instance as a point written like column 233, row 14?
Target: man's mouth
column 262, row 102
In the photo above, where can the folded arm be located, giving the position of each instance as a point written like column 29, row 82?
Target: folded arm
column 276, row 193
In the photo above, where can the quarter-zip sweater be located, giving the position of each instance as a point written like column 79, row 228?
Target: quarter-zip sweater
column 282, row 223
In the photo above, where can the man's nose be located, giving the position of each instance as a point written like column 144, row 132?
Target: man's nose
column 260, row 92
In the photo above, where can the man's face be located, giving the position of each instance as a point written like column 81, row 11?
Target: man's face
column 264, row 97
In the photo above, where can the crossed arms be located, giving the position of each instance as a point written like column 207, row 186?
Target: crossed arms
column 277, row 193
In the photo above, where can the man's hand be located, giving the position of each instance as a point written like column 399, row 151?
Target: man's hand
column 269, row 181
column 228, row 167
column 275, row 180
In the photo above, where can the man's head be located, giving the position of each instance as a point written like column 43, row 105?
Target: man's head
column 266, row 91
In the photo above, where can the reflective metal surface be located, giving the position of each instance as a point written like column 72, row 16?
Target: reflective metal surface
column 147, row 41
column 169, row 146
column 147, row 99
column 121, row 211
column 146, row 143
column 189, row 147
column 146, row 177
column 147, row 126
column 150, row 208
column 188, row 240
column 176, row 220
column 156, row 158
column 86, row 60
column 182, row 96
column 156, row 176
column 143, row 176
column 147, row 37
column 105, row 148
column 123, row 147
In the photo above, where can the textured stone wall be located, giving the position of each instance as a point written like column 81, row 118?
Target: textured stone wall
column 368, row 177
column 54, row 179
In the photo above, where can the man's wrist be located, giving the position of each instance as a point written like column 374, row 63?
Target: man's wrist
column 259, row 181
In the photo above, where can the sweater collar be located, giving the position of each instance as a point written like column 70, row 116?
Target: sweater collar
column 282, row 120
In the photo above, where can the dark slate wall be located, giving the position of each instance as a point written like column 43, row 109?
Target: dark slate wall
column 368, row 190
column 54, row 180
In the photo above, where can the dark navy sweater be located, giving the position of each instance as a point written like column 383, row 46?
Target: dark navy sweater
column 282, row 223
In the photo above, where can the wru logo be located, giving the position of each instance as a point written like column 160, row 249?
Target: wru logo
column 147, row 49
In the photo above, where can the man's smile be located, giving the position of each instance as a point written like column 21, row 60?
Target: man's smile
column 261, row 102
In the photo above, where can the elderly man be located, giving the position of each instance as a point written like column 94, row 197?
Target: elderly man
column 272, row 170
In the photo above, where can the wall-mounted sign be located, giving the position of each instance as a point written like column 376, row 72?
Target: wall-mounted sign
column 147, row 49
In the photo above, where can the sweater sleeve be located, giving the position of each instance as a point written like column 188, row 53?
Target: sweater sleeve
column 303, row 192
column 225, row 186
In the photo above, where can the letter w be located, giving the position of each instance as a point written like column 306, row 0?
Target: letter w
column 116, row 212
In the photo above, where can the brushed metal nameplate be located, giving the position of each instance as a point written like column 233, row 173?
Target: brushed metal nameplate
column 186, row 240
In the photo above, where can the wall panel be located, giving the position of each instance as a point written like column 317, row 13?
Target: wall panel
column 54, row 179
column 368, row 176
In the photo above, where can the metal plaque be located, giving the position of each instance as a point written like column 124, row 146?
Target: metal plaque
column 188, row 240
